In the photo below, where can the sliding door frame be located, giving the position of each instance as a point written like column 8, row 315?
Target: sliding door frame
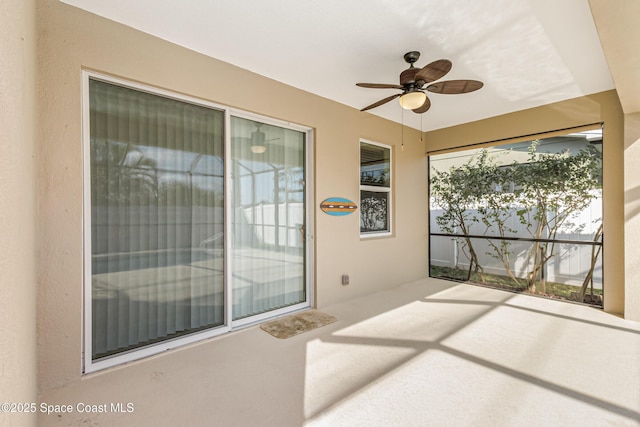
column 308, row 212
column 90, row 365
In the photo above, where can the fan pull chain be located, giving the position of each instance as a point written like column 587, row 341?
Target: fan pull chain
column 402, row 130
column 421, row 131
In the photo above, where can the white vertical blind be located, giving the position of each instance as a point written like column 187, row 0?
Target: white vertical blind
column 268, row 260
column 156, row 217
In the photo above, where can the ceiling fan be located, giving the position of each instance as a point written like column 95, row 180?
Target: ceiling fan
column 414, row 81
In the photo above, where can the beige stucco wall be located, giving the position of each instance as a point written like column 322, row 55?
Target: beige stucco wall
column 617, row 25
column 632, row 215
column 603, row 107
column 17, row 208
column 72, row 40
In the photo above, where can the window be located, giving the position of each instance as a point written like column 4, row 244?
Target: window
column 375, row 189
column 171, row 258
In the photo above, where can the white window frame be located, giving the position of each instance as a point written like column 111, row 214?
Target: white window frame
column 89, row 365
column 377, row 189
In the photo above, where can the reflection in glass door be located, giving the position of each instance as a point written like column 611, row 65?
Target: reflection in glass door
column 268, row 217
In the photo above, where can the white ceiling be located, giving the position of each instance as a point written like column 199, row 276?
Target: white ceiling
column 527, row 52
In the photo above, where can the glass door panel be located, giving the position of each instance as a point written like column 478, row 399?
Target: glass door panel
column 157, row 218
column 268, row 217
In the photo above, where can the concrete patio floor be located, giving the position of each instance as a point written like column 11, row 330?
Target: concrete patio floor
column 427, row 353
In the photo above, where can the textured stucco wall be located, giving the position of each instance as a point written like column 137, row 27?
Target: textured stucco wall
column 17, row 208
column 632, row 215
column 72, row 40
column 617, row 25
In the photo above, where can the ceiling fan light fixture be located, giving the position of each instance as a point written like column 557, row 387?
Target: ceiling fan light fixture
column 412, row 100
column 258, row 139
column 258, row 149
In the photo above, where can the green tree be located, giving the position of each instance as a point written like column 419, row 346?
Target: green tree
column 456, row 191
column 121, row 175
column 553, row 189
column 543, row 195
column 496, row 205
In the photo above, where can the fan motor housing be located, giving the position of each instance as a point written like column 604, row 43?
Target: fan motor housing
column 408, row 76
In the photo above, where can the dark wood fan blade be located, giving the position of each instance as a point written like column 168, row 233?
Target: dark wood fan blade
column 451, row 87
column 434, row 71
column 424, row 107
column 382, row 101
column 379, row 85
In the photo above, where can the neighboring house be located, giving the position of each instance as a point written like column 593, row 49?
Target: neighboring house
column 43, row 193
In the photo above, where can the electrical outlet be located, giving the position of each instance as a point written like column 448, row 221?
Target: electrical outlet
column 345, row 279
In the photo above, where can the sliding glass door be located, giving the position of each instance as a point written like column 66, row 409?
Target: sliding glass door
column 268, row 239
column 195, row 220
